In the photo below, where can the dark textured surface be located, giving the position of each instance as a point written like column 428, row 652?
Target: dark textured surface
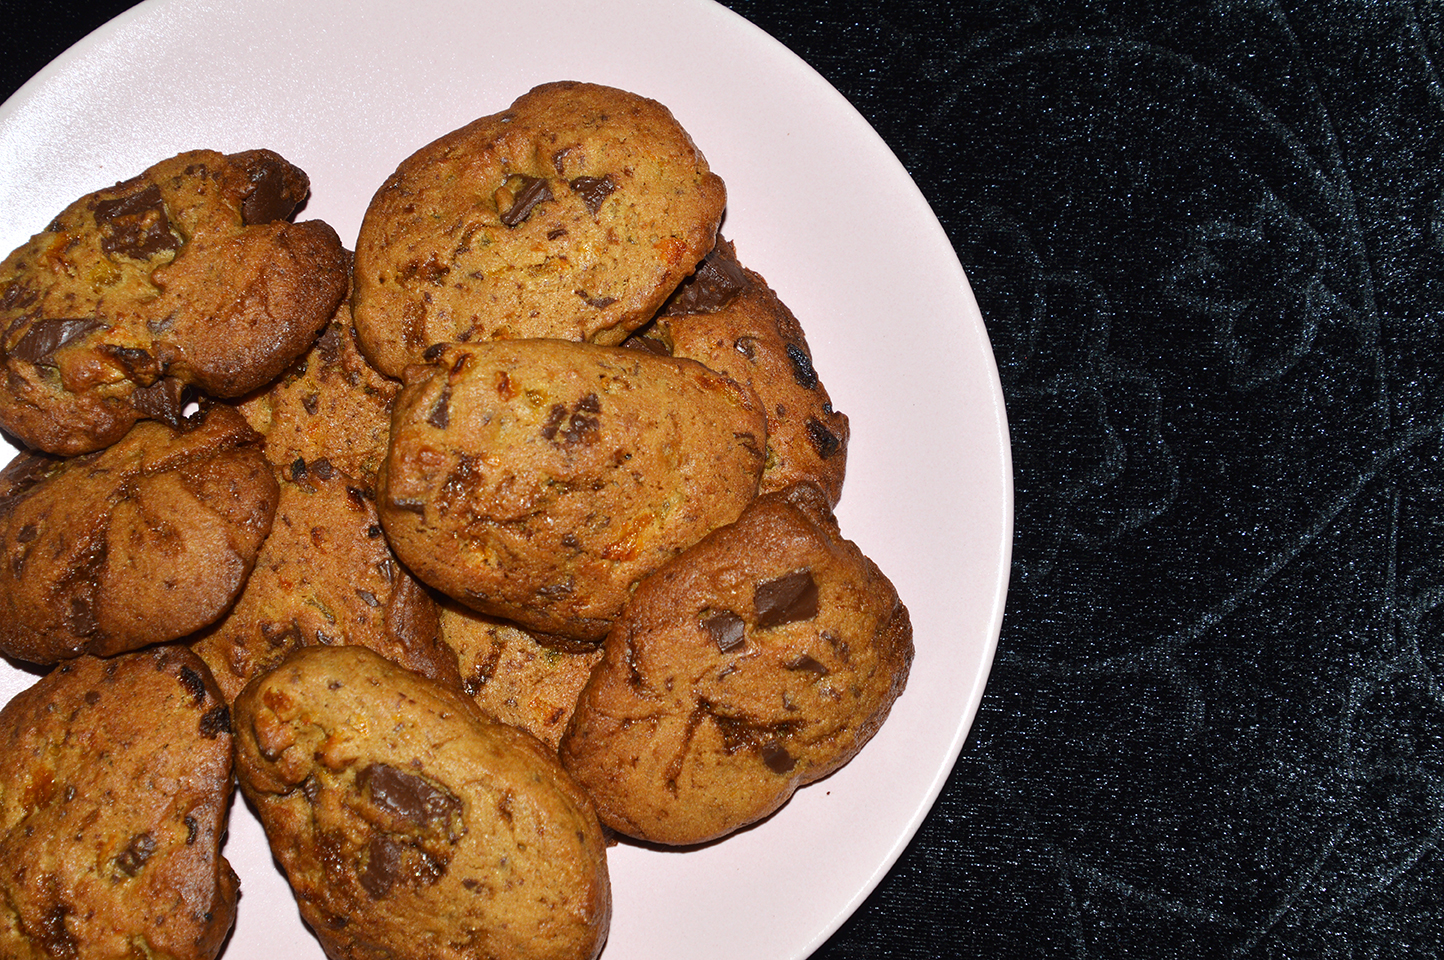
column 1207, row 240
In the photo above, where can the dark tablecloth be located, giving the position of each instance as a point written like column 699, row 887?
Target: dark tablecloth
column 1207, row 241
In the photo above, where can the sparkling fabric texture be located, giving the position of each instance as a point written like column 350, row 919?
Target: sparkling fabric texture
column 1207, row 241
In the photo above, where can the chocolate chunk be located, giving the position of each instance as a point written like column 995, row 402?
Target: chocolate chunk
column 593, row 190
column 54, row 937
column 810, row 664
column 440, row 416
column 194, row 684
column 322, row 468
column 134, row 856
column 824, row 441
column 599, row 303
column 383, row 865
column 268, row 198
column 777, row 758
column 165, row 400
column 135, row 226
column 786, row 599
column 408, row 797
column 727, row 629
column 216, row 721
column 718, row 280
column 802, row 370
column 652, row 345
column 48, row 334
column 533, row 190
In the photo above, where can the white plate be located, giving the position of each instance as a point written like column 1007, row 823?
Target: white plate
column 818, row 205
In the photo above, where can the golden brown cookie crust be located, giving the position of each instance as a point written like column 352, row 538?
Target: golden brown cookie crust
column 572, row 214
column 331, row 404
column 186, row 275
column 761, row 659
column 143, row 542
column 537, row 480
column 115, row 781
column 325, row 576
column 411, row 827
column 513, row 676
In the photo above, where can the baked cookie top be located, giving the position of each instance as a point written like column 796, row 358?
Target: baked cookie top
column 537, row 480
column 572, row 214
column 411, row 827
column 330, row 404
column 186, row 275
column 325, row 576
column 142, row 542
column 761, row 659
column 115, row 782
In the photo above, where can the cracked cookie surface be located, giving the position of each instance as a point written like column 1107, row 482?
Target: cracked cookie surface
column 759, row 660
column 145, row 541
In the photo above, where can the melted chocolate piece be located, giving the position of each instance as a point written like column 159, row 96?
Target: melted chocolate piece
column 650, row 345
column 534, row 190
column 718, row 280
column 194, row 684
column 599, row 303
column 802, row 370
column 134, row 856
column 777, row 758
column 440, row 415
column 135, row 226
column 215, row 722
column 48, row 334
column 727, row 629
column 268, row 199
column 165, row 400
column 810, row 664
column 824, row 441
column 787, row 599
column 383, row 866
column 582, row 426
column 593, row 191
column 408, row 797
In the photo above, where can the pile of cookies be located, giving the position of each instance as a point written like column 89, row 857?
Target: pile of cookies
column 464, row 554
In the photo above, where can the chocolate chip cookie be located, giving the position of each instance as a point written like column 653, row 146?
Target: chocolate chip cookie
column 325, row 576
column 537, row 480
column 761, row 659
column 573, row 214
column 142, row 542
column 115, row 780
column 188, row 275
column 411, row 827
column 726, row 317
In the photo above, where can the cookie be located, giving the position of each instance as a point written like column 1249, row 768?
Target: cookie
column 187, row 276
column 572, row 215
column 537, row 480
column 325, row 576
column 761, row 659
column 330, row 404
column 115, row 780
column 512, row 676
column 726, row 317
column 411, row 827
column 145, row 541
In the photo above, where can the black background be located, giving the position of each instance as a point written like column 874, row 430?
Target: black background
column 1206, row 239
